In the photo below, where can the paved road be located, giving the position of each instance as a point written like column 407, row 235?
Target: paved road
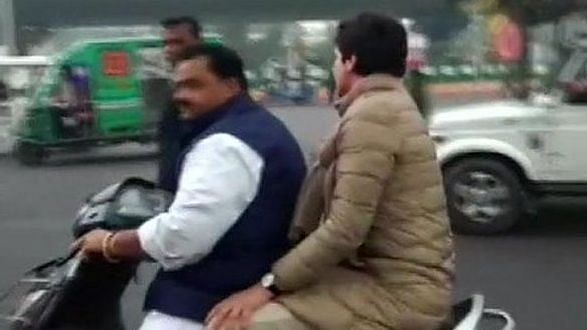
column 5, row 137
column 537, row 273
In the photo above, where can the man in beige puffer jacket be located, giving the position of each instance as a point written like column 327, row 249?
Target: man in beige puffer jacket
column 376, row 250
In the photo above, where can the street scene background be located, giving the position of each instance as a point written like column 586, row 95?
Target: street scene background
column 461, row 52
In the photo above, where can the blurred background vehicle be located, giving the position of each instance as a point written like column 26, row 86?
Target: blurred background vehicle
column 94, row 92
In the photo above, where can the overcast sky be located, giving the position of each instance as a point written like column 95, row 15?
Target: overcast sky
column 88, row 12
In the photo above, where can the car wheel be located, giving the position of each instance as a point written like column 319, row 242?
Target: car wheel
column 484, row 196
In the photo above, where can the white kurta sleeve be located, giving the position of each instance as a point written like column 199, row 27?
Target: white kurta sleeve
column 220, row 178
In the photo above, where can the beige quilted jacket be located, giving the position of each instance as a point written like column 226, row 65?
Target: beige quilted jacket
column 378, row 252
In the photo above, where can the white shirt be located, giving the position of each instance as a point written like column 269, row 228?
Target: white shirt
column 220, row 177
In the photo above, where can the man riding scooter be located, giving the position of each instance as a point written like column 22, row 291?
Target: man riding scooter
column 238, row 182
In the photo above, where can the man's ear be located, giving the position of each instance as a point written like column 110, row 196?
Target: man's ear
column 233, row 85
column 350, row 64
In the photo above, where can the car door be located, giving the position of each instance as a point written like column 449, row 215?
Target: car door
column 567, row 142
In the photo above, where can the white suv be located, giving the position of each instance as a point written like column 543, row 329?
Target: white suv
column 497, row 157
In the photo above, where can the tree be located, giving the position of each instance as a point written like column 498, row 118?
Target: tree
column 525, row 13
column 529, row 12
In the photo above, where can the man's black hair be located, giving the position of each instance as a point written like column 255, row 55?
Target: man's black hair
column 222, row 61
column 379, row 43
column 192, row 23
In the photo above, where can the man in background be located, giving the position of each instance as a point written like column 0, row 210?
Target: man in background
column 180, row 34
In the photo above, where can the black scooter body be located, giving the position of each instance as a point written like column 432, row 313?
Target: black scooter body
column 71, row 294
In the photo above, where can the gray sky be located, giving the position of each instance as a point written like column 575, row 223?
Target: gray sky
column 90, row 12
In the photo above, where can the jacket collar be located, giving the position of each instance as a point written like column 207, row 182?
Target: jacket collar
column 375, row 82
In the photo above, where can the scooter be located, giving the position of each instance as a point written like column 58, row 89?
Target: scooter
column 69, row 294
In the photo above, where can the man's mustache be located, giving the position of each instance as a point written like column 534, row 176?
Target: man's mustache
column 183, row 103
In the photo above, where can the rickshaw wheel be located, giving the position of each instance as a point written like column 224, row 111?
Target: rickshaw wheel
column 28, row 153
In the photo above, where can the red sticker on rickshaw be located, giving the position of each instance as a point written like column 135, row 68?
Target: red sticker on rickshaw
column 116, row 64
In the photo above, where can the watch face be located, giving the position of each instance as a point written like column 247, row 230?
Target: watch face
column 268, row 280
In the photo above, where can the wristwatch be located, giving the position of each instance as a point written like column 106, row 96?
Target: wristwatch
column 268, row 282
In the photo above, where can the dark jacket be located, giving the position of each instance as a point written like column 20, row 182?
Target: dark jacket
column 170, row 146
column 259, row 237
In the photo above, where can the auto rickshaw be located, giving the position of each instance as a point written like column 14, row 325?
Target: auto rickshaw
column 95, row 93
